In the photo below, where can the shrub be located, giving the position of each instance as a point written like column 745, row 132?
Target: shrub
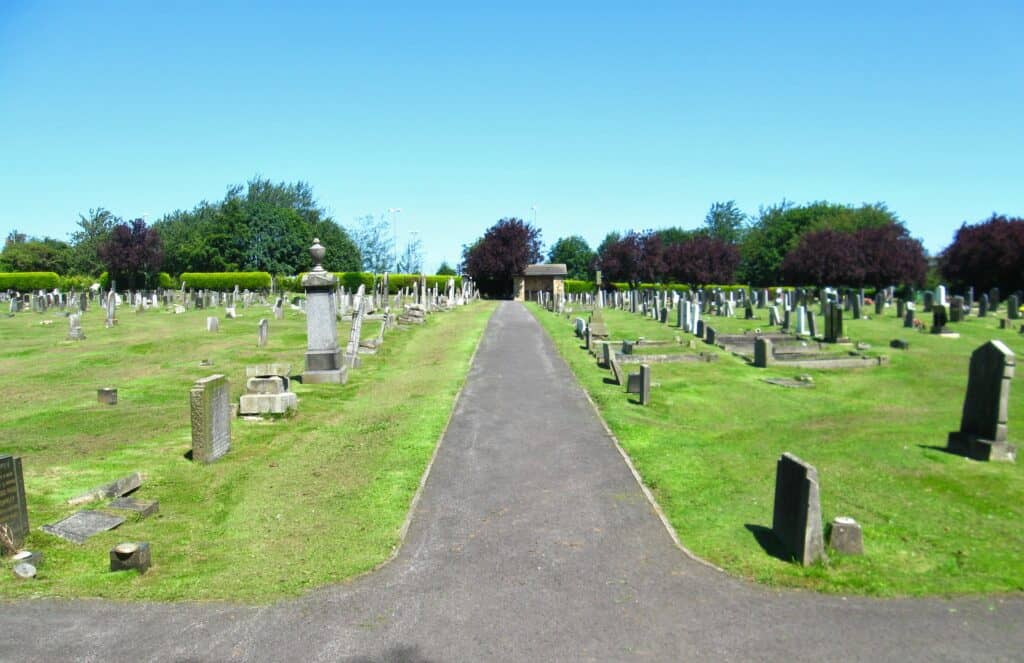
column 166, row 281
column 25, row 281
column 69, row 283
column 577, row 287
column 226, row 280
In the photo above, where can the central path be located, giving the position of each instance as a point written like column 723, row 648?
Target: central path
column 531, row 542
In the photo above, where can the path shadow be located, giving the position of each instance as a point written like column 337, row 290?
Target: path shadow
column 766, row 538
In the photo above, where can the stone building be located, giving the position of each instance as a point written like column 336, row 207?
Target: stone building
column 539, row 278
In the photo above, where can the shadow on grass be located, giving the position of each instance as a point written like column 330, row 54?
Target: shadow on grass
column 611, row 381
column 766, row 538
column 936, row 447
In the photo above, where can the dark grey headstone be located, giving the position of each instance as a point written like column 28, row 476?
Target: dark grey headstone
column 13, row 507
column 833, row 324
column 939, row 319
column 762, row 352
column 956, row 309
column 929, row 301
column 983, row 306
column 1013, row 307
column 796, row 519
column 640, row 384
column 616, row 370
column 983, row 424
column 78, row 527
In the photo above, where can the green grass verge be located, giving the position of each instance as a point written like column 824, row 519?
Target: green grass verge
column 296, row 503
column 934, row 523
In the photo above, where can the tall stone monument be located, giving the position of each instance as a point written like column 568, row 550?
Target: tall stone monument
column 983, row 425
column 323, row 356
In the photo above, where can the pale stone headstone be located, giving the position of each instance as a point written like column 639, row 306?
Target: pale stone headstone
column 212, row 324
column 75, row 332
column 796, row 519
column 983, row 424
column 323, row 356
column 355, row 331
column 763, row 354
column 845, row 536
column 13, row 507
column 262, row 333
column 211, row 418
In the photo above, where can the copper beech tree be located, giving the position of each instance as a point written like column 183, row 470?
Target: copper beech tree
column 503, row 252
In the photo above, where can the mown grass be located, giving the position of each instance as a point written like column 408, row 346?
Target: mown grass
column 934, row 523
column 296, row 503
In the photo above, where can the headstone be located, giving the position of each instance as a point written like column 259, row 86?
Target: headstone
column 939, row 320
column 262, row 333
column 144, row 508
column 879, row 303
column 117, row 488
column 130, row 557
column 267, row 391
column 812, row 324
column 796, row 519
column 106, row 395
column 845, row 536
column 801, row 321
column 901, row 308
column 351, row 358
column 983, row 306
column 640, row 384
column 78, row 527
column 773, row 316
column 833, row 324
column 616, row 370
column 211, row 418
column 762, row 352
column 940, row 296
column 908, row 317
column 13, row 507
column 323, row 356
column 956, row 309
column 993, row 300
column 1013, row 307
column 929, row 301
column 75, row 327
column 212, row 324
column 983, row 424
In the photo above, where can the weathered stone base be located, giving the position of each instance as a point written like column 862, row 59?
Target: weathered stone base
column 336, row 376
column 980, row 449
column 268, row 403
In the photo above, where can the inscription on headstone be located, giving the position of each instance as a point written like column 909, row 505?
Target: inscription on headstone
column 211, row 418
column 13, row 508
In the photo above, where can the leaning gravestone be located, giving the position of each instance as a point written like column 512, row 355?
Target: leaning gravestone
column 323, row 356
column 640, row 384
column 983, row 425
column 211, row 418
column 13, row 508
column 796, row 519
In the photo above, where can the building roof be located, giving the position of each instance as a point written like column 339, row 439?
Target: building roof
column 546, row 270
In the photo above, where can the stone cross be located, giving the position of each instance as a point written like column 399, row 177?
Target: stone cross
column 983, row 424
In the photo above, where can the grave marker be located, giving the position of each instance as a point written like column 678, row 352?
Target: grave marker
column 323, row 356
column 983, row 424
column 13, row 507
column 211, row 418
column 796, row 519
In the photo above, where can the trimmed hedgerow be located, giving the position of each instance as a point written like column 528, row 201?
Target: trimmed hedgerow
column 226, row 280
column 25, row 281
column 576, row 287
column 352, row 281
column 166, row 281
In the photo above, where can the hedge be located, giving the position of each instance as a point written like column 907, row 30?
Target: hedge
column 26, row 281
column 226, row 280
column 352, row 281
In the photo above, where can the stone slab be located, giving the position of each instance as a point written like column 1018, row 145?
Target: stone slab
column 144, row 508
column 122, row 486
column 78, row 527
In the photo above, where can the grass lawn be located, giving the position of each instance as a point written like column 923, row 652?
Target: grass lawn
column 934, row 523
column 296, row 503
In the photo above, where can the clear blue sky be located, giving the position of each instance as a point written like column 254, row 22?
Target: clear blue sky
column 603, row 116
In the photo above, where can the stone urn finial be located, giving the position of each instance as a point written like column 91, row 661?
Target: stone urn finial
column 317, row 251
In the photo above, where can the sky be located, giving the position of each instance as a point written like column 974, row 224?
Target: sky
column 582, row 118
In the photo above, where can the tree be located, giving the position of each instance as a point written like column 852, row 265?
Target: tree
column 445, row 269
column 986, row 255
column 877, row 256
column 411, row 260
column 725, row 221
column 890, row 256
column 576, row 254
column 93, row 231
column 702, row 260
column 503, row 252
column 676, row 235
column 373, row 237
column 635, row 258
column 133, row 254
column 260, row 226
column 30, row 254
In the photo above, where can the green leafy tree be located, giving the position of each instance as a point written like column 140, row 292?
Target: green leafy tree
column 675, row 235
column 411, row 259
column 445, row 269
column 576, row 254
column 30, row 254
column 372, row 235
column 93, row 231
column 725, row 221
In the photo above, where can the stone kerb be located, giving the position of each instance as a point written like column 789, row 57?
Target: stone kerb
column 796, row 519
column 983, row 424
column 211, row 418
column 13, row 507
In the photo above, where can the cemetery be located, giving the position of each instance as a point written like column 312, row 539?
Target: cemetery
column 194, row 456
column 898, row 509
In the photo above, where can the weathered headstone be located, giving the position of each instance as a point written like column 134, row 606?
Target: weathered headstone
column 616, row 369
column 323, row 356
column 212, row 324
column 262, row 333
column 78, row 527
column 211, row 418
column 796, row 519
column 267, row 390
column 956, row 309
column 1013, row 307
column 983, row 424
column 75, row 332
column 983, row 305
column 929, row 301
column 845, row 536
column 939, row 320
column 640, row 384
column 13, row 507
column 762, row 352
column 833, row 324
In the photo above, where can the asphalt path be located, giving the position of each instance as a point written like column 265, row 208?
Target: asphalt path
column 531, row 541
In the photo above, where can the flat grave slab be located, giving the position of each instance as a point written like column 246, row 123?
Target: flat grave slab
column 78, row 527
column 144, row 508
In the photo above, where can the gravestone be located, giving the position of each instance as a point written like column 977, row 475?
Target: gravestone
column 812, row 325
column 801, row 321
column 956, row 309
column 929, row 301
column 796, row 519
column 993, row 300
column 75, row 327
column 773, row 315
column 262, row 333
column 80, row 526
column 616, row 369
column 211, row 418
column 212, row 324
column 983, row 424
column 640, row 384
column 351, row 357
column 845, row 536
column 939, row 320
column 130, row 556
column 786, row 319
column 323, row 356
column 1013, row 307
column 833, row 324
column 983, row 306
column 606, row 353
column 13, row 507
column 908, row 317
column 762, row 352
column 901, row 308
column 267, row 391
column 855, row 311
column 879, row 303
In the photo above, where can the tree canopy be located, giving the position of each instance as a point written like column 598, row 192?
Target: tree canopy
column 576, row 254
column 372, row 235
column 724, row 221
column 30, row 254
column 986, row 255
column 877, row 256
column 133, row 254
column 504, row 251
